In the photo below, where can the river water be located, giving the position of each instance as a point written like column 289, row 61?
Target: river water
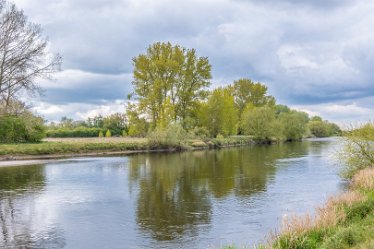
column 201, row 199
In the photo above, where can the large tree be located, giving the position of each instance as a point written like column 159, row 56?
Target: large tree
column 172, row 74
column 24, row 57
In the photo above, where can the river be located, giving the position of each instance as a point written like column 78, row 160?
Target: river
column 195, row 199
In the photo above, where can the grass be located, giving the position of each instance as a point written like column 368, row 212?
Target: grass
column 61, row 146
column 345, row 221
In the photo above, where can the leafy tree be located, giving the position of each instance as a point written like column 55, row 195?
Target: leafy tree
column 170, row 73
column 21, row 128
column 220, row 115
column 281, row 109
column 259, row 122
column 137, row 125
column 23, row 54
column 246, row 92
column 116, row 123
column 294, row 124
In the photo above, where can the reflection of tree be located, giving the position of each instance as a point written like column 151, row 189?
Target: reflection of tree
column 175, row 189
column 17, row 186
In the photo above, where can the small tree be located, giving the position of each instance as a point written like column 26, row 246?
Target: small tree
column 108, row 133
column 101, row 134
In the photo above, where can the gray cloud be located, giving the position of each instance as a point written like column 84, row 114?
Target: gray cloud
column 308, row 52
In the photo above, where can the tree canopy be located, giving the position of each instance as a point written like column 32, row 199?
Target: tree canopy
column 168, row 74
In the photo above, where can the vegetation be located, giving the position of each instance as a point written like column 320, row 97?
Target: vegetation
column 358, row 150
column 346, row 221
column 24, row 55
column 320, row 128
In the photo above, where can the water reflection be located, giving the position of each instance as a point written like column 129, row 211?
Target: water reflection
column 175, row 189
column 18, row 184
column 176, row 200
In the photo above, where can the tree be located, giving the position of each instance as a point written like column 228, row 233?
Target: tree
column 246, row 92
column 116, row 123
column 294, row 124
column 23, row 54
column 220, row 115
column 137, row 125
column 170, row 73
column 259, row 122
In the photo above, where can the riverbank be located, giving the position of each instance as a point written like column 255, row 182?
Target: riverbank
column 345, row 221
column 59, row 148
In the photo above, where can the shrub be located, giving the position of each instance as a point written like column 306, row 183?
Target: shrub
column 80, row 131
column 101, row 133
column 172, row 136
column 23, row 128
column 358, row 151
column 108, row 133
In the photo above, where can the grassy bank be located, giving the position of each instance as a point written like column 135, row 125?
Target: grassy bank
column 62, row 146
column 345, row 221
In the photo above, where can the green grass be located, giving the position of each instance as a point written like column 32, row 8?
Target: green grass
column 61, row 146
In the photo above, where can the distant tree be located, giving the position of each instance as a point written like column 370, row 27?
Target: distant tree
column 259, row 122
column 281, row 109
column 23, row 54
column 116, row 123
column 246, row 92
column 316, row 118
column 220, row 115
column 108, row 133
column 294, row 124
column 170, row 73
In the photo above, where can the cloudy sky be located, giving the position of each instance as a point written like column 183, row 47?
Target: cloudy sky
column 314, row 55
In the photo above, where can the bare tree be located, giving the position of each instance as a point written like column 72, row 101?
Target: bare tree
column 24, row 57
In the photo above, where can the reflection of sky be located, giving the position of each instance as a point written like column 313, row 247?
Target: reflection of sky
column 91, row 203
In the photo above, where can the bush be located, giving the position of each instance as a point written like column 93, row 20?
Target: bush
column 358, row 151
column 101, row 134
column 22, row 128
column 172, row 136
column 80, row 131
column 108, row 133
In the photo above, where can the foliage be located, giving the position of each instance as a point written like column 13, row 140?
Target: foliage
column 172, row 136
column 294, row 125
column 219, row 114
column 101, row 134
column 170, row 73
column 319, row 128
column 108, row 133
column 246, row 92
column 259, row 122
column 358, row 150
column 74, row 132
column 137, row 126
column 22, row 128
column 116, row 123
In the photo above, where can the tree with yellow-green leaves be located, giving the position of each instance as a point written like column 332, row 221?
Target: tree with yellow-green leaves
column 248, row 93
column 168, row 75
column 219, row 114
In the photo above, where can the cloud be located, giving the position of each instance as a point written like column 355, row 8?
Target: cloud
column 309, row 53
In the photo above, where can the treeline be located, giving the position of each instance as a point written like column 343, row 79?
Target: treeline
column 171, row 88
column 173, row 97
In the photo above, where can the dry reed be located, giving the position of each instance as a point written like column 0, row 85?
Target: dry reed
column 364, row 179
